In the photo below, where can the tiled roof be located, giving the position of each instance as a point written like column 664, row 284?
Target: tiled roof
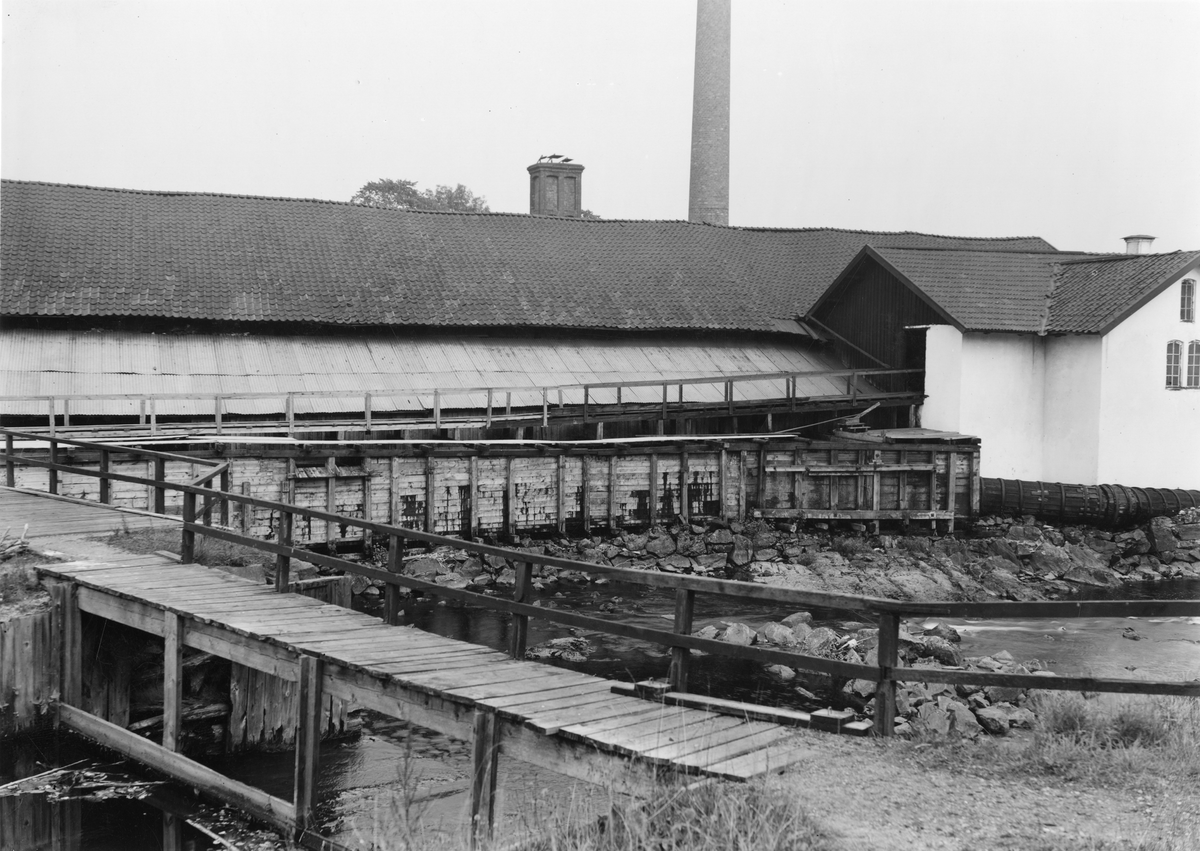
column 1056, row 291
column 984, row 290
column 80, row 251
column 1095, row 294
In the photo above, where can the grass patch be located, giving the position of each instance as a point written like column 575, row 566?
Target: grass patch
column 714, row 816
column 1106, row 740
column 209, row 551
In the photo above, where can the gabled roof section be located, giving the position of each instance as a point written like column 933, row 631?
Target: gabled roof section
column 89, row 252
column 1095, row 295
column 980, row 290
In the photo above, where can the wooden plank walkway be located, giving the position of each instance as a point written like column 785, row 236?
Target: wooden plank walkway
column 51, row 516
column 558, row 719
column 547, row 700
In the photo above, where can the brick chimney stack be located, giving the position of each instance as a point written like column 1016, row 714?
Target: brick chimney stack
column 556, row 188
column 708, row 198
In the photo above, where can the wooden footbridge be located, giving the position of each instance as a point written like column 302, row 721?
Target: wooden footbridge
column 578, row 725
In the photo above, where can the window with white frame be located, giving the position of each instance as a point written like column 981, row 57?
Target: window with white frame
column 1187, row 301
column 1193, row 364
column 1174, row 354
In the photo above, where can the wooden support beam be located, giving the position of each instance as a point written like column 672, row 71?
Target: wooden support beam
column 561, row 491
column 761, row 499
column 612, row 493
column 685, row 605
column 367, row 410
column 289, row 407
column 283, row 564
column 10, row 469
column 53, row 415
column 510, row 501
column 53, row 486
column 437, row 409
column 71, row 673
column 472, row 496
column 391, row 593
column 187, row 548
column 723, row 483
column 545, row 408
column 487, row 421
column 885, row 690
column 520, row 623
column 153, row 416
column 160, row 493
column 430, row 495
column 173, row 627
column 585, row 508
column 653, row 488
column 330, row 494
column 685, row 507
column 741, row 503
column 105, row 484
column 951, row 485
column 245, row 512
column 485, row 751
column 217, row 412
column 223, row 479
column 308, row 740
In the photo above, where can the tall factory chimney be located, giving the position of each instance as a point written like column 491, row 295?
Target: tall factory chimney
column 708, row 198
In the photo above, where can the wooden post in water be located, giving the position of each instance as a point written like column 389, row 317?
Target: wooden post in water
column 187, row 549
column 885, row 690
column 308, row 739
column 105, row 483
column 391, row 593
column 685, row 604
column 485, row 753
column 283, row 564
column 520, row 624
column 172, row 679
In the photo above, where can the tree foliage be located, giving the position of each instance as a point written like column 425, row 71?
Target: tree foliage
column 404, row 195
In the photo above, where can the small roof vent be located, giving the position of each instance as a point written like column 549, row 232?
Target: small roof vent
column 1138, row 243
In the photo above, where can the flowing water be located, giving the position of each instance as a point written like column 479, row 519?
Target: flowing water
column 370, row 782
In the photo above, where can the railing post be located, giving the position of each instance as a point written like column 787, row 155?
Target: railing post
column 437, row 409
column 187, row 549
column 217, row 412
column 391, row 593
column 105, row 483
column 367, row 409
column 160, row 493
column 224, row 483
column 685, row 604
column 53, row 460
column 520, row 624
column 289, row 407
column 885, row 688
column 208, row 504
column 283, row 564
column 308, row 739
column 545, row 407
column 53, row 416
column 585, row 403
column 10, row 469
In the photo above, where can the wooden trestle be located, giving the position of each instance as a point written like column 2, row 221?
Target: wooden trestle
column 553, row 718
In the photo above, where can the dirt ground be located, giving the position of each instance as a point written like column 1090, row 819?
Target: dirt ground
column 897, row 796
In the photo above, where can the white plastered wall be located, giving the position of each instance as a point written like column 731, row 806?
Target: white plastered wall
column 989, row 385
column 1071, row 446
column 1149, row 436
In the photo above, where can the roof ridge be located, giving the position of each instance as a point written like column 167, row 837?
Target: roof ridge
column 499, row 213
column 1052, row 252
column 1114, row 258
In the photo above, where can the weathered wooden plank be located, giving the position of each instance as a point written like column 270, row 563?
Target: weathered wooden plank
column 773, row 758
column 173, row 637
column 714, row 731
column 739, row 709
column 259, row 804
column 770, row 735
column 549, row 697
column 485, row 753
column 308, row 740
column 552, row 721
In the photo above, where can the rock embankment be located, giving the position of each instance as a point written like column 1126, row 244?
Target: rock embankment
column 995, row 559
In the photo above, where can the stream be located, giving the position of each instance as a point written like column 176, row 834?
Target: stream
column 370, row 782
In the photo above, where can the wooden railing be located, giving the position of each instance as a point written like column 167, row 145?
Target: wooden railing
column 576, row 399
column 200, row 498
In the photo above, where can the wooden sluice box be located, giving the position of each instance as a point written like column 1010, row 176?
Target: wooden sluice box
column 908, row 474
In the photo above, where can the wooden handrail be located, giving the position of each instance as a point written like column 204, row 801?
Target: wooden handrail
column 887, row 673
column 111, row 447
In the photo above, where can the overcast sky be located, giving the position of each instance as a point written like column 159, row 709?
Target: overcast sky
column 1075, row 121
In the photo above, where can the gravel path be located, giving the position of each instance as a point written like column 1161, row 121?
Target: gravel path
column 878, row 797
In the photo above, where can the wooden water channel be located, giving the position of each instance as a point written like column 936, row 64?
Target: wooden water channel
column 570, row 723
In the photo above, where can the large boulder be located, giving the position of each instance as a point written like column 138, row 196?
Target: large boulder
column 425, row 567
column 777, row 633
column 739, row 633
column 567, row 649
column 820, row 642
column 1161, row 535
column 993, row 719
column 662, row 546
column 743, row 551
